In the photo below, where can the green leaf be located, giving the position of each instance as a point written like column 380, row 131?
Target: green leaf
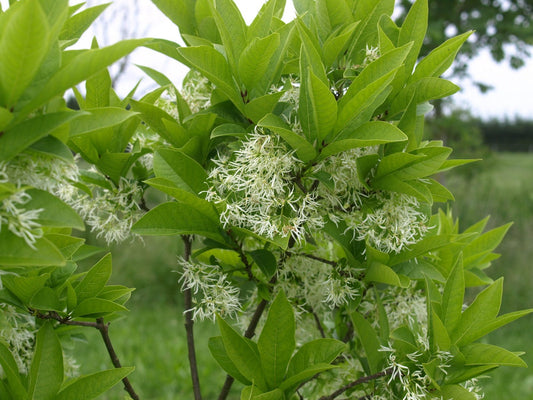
column 99, row 118
column 254, row 61
column 384, row 274
column 453, row 297
column 95, row 279
column 46, row 371
column 369, row 341
column 369, row 134
column 218, row 351
column 78, row 69
column 15, row 251
column 54, row 212
column 23, row 45
column 266, row 261
column 180, row 13
column 483, row 310
column 440, row 59
column 231, row 27
column 95, row 307
column 337, row 41
column 259, row 107
column 276, row 394
column 276, row 342
column 304, row 150
column 414, row 30
column 11, row 372
column 88, row 387
column 423, row 90
column 46, row 299
column 487, row 354
column 497, row 323
column 456, row 392
column 18, row 138
column 51, row 146
column 484, row 244
column 319, row 351
column 439, row 334
column 322, row 113
column 214, row 66
column 244, row 354
column 175, row 218
column 294, row 381
column 179, row 168
column 80, row 22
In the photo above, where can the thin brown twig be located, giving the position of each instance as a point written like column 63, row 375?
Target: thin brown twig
column 359, row 381
column 189, row 326
column 103, row 328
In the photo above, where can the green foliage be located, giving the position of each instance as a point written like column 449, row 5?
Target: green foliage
column 293, row 166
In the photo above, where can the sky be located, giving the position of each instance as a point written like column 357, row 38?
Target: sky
column 510, row 98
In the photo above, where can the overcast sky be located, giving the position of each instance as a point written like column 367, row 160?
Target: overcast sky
column 511, row 96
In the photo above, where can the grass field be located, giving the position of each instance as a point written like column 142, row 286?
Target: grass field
column 151, row 337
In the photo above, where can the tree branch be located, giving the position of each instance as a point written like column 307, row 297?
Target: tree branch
column 103, row 328
column 189, row 326
column 359, row 381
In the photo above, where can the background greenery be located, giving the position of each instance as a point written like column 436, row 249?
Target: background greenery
column 152, row 335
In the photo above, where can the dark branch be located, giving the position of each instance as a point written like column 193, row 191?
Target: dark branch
column 189, row 326
column 103, row 328
column 359, row 381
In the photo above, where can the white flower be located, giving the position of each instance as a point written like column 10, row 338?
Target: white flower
column 389, row 222
column 213, row 292
column 256, row 184
column 20, row 221
column 18, row 331
column 196, row 91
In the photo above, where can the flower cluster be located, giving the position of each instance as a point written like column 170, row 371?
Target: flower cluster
column 18, row 331
column 19, row 220
column 196, row 91
column 388, row 221
column 40, row 171
column 109, row 212
column 214, row 293
column 256, row 183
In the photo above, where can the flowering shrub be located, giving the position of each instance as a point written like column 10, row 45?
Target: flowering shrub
column 295, row 173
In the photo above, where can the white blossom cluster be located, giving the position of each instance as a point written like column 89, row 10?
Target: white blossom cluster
column 40, row 171
column 318, row 284
column 109, row 213
column 18, row 331
column 213, row 292
column 167, row 102
column 196, row 91
column 388, row 221
column 256, row 184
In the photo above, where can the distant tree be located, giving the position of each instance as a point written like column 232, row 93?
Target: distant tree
column 504, row 27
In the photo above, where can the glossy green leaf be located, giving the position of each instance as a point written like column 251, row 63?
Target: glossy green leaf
column 218, row 351
column 259, row 107
column 483, row 310
column 15, row 251
column 453, row 297
column 369, row 134
column 99, row 118
column 179, row 168
column 23, row 45
column 488, row 354
column 214, row 66
column 46, row 371
column 414, row 30
column 95, row 307
column 382, row 273
column 301, row 146
column 95, row 279
column 174, row 218
column 231, row 27
column 440, row 59
column 77, row 24
column 276, row 342
column 322, row 112
column 46, row 299
column 81, row 67
column 369, row 341
column 88, row 387
column 266, row 261
column 294, row 381
column 244, row 354
column 255, row 59
column 18, row 138
column 54, row 212
column 319, row 351
column 456, row 392
column 11, row 372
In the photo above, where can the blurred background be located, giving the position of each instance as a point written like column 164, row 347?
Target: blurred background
column 491, row 118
